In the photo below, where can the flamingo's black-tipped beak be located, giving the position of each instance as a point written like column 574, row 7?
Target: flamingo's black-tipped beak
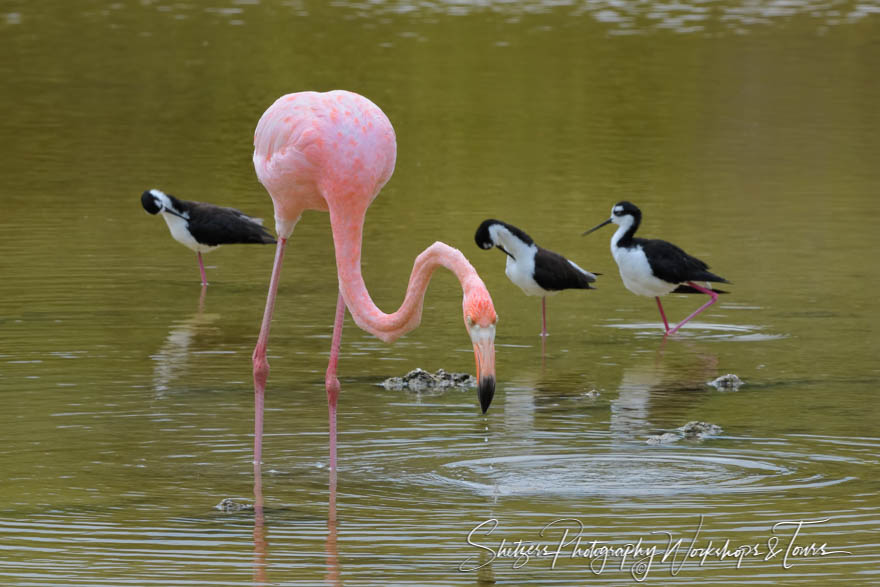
column 486, row 391
column 598, row 226
column 483, row 338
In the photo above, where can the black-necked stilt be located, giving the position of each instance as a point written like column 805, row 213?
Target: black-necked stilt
column 204, row 227
column 653, row 267
column 537, row 271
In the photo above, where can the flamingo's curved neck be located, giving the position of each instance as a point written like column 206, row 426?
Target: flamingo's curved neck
column 347, row 238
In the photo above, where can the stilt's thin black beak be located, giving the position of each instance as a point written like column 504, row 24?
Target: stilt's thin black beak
column 173, row 212
column 598, row 226
column 502, row 249
column 486, row 391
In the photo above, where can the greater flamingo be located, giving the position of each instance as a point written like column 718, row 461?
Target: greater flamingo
column 334, row 151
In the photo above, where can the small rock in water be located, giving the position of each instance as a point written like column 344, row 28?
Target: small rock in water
column 690, row 431
column 229, row 505
column 699, row 430
column 664, row 438
column 421, row 380
column 729, row 381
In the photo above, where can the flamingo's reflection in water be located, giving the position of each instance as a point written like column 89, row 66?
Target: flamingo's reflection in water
column 261, row 542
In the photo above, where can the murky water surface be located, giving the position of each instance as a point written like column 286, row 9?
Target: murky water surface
column 748, row 132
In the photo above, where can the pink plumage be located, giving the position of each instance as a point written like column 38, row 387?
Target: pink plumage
column 310, row 146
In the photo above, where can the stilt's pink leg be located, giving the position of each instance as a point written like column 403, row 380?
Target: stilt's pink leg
column 544, row 316
column 708, row 292
column 330, row 380
column 543, row 352
column 662, row 314
column 202, row 270
column 261, row 364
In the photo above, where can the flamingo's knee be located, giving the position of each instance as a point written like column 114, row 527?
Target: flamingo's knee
column 261, row 368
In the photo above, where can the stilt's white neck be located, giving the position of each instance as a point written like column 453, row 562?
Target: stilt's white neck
column 624, row 225
column 512, row 244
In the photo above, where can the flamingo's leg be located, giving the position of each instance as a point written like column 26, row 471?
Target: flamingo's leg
column 713, row 298
column 330, row 381
column 261, row 364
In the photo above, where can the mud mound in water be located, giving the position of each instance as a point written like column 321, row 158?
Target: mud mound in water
column 230, row 505
column 690, row 431
column 726, row 382
column 421, row 380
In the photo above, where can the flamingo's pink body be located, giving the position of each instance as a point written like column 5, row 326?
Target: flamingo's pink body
column 334, row 151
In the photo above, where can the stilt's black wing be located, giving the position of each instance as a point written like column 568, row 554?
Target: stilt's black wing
column 554, row 272
column 686, row 289
column 216, row 225
column 673, row 265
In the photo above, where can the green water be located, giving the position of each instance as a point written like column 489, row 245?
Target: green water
column 749, row 134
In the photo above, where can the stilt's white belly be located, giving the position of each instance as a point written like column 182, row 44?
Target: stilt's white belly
column 636, row 273
column 521, row 274
column 177, row 226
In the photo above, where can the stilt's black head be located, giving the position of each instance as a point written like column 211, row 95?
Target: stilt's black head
column 151, row 202
column 624, row 208
column 486, row 237
column 483, row 238
column 622, row 212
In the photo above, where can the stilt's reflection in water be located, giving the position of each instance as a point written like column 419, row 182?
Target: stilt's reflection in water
column 654, row 384
column 171, row 360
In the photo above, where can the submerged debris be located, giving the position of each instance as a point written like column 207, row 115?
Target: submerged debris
column 421, row 380
column 699, row 430
column 690, row 431
column 229, row 506
column 728, row 382
column 664, row 438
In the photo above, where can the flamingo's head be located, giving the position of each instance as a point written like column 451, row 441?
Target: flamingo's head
column 480, row 319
